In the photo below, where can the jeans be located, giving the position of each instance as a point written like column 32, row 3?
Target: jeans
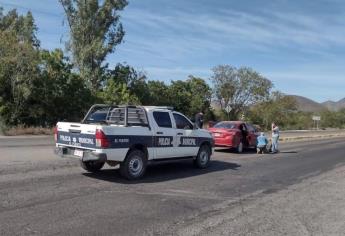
column 275, row 143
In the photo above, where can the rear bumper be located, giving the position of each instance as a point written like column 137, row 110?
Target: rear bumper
column 87, row 154
column 223, row 143
column 228, row 141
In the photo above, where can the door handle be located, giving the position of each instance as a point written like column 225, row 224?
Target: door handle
column 179, row 133
column 159, row 132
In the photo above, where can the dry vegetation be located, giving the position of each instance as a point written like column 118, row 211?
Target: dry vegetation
column 21, row 130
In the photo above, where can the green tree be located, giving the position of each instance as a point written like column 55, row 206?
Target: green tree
column 134, row 80
column 19, row 59
column 95, row 30
column 201, row 94
column 332, row 119
column 239, row 88
column 278, row 108
column 118, row 93
column 60, row 94
column 158, row 94
column 179, row 96
column 190, row 96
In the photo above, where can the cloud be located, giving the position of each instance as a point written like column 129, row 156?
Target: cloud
column 177, row 73
column 236, row 30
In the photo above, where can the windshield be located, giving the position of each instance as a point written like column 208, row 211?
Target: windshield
column 225, row 125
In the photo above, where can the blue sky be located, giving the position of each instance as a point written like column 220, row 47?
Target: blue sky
column 299, row 45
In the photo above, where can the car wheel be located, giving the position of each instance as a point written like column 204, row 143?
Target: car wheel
column 92, row 166
column 203, row 158
column 134, row 165
column 239, row 148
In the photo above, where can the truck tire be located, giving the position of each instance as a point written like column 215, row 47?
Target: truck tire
column 239, row 148
column 203, row 158
column 92, row 166
column 134, row 166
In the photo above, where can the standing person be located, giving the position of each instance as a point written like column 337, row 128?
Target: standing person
column 275, row 138
column 261, row 143
column 199, row 120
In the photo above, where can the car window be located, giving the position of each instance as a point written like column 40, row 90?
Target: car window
column 250, row 128
column 182, row 122
column 224, row 125
column 162, row 119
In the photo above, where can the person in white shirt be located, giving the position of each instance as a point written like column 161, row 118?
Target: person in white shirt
column 275, row 138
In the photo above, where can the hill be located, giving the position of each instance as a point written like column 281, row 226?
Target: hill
column 335, row 106
column 308, row 105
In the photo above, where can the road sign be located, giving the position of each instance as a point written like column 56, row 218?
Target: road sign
column 316, row 118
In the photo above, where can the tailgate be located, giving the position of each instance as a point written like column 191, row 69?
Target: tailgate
column 76, row 134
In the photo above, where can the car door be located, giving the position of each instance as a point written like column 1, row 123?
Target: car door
column 164, row 135
column 252, row 135
column 186, row 136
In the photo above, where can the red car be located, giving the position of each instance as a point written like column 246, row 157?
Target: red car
column 234, row 134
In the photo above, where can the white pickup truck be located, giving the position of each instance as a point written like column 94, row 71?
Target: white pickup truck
column 132, row 136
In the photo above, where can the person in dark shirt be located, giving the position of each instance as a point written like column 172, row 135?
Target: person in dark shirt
column 199, row 120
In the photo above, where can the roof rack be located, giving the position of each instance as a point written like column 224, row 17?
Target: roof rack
column 110, row 107
column 161, row 107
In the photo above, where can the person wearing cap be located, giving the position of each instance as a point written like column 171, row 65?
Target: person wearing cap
column 262, row 142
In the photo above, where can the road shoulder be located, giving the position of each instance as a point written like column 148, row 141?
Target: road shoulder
column 315, row 206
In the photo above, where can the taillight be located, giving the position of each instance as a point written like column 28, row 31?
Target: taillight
column 101, row 140
column 55, row 133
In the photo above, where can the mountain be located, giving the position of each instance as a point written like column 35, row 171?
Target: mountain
column 335, row 106
column 308, row 105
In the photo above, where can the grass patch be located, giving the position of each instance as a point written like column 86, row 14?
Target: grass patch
column 22, row 130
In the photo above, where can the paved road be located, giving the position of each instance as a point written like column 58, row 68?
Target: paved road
column 42, row 194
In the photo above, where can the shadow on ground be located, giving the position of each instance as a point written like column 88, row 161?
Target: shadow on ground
column 160, row 172
column 229, row 150
column 249, row 151
column 289, row 152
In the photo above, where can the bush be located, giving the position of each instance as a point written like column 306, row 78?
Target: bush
column 22, row 130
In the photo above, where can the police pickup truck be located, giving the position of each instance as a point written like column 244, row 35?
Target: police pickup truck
column 132, row 136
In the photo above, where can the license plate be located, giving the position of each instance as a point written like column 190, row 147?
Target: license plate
column 216, row 134
column 78, row 153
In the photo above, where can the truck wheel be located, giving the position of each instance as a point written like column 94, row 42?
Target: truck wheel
column 134, row 165
column 239, row 148
column 203, row 158
column 92, row 166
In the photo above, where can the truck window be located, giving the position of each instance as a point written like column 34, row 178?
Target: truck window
column 162, row 119
column 182, row 122
column 98, row 116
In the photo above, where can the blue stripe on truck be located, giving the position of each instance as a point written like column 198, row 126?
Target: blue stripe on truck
column 126, row 141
